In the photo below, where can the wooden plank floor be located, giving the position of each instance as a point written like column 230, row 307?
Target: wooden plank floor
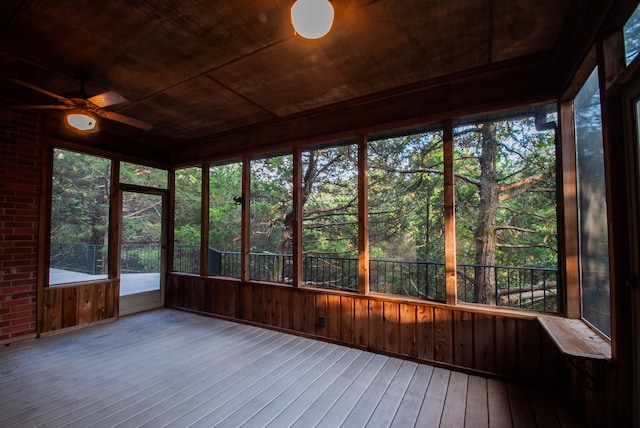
column 171, row 368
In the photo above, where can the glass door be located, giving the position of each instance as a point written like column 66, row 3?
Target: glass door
column 142, row 248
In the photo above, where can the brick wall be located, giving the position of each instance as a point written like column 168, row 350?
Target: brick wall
column 20, row 169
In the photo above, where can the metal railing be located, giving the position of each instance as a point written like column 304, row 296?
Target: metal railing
column 507, row 286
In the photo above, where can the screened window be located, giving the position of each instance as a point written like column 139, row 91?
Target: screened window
column 225, row 215
column 271, row 214
column 631, row 33
column 506, row 223
column 187, row 220
column 330, row 217
column 140, row 175
column 592, row 209
column 406, row 215
column 79, row 217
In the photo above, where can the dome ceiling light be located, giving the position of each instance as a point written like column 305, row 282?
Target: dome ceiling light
column 312, row 19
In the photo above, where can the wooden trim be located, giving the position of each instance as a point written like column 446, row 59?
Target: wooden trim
column 568, row 212
column 363, row 217
column 612, row 63
column 297, row 217
column 245, row 233
column 451, row 276
column 171, row 220
column 204, row 221
column 44, row 232
column 114, row 222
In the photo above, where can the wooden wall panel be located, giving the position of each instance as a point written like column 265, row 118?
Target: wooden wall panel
column 361, row 322
column 72, row 306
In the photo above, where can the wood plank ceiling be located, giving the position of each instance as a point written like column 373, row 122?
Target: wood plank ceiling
column 200, row 69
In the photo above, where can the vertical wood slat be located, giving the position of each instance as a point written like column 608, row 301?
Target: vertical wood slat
column 391, row 322
column 443, row 335
column 376, row 324
column 463, row 334
column 408, row 326
column 425, row 333
column 361, row 322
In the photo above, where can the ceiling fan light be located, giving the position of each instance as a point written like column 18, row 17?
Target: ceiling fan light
column 81, row 121
column 312, row 19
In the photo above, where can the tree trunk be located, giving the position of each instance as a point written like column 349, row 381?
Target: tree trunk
column 485, row 232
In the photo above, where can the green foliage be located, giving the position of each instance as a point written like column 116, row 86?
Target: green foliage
column 80, row 198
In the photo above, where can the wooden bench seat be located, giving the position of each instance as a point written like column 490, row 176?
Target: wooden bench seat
column 575, row 338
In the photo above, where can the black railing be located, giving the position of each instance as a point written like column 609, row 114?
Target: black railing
column 509, row 286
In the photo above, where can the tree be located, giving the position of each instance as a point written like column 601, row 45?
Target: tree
column 505, row 175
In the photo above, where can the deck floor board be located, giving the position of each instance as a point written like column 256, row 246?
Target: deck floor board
column 171, row 368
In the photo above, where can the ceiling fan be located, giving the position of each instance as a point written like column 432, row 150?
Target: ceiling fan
column 81, row 107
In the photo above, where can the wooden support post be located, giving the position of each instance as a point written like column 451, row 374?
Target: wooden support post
column 618, row 173
column 363, row 217
column 297, row 217
column 451, row 278
column 204, row 222
column 245, row 243
column 171, row 221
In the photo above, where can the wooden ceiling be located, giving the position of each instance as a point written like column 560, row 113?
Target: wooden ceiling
column 216, row 76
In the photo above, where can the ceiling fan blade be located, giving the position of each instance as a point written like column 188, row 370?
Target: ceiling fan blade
column 42, row 107
column 43, row 91
column 125, row 119
column 107, row 99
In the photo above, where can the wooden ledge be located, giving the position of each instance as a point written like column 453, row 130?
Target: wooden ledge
column 575, row 338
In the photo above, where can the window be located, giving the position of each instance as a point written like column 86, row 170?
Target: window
column 592, row 210
column 631, row 33
column 187, row 220
column 79, row 217
column 406, row 215
column 330, row 217
column 271, row 214
column 506, row 217
column 225, row 215
column 143, row 175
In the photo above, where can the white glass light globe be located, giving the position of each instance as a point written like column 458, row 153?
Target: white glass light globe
column 81, row 121
column 312, row 19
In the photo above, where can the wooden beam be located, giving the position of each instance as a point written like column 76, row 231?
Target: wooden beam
column 451, row 277
column 363, row 217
